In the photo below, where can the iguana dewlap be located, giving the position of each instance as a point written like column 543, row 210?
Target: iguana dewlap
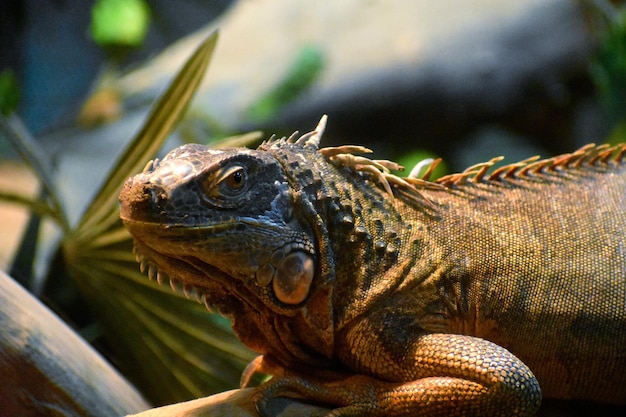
column 392, row 296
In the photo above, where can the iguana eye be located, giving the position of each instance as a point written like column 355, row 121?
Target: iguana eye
column 221, row 188
column 233, row 179
column 236, row 179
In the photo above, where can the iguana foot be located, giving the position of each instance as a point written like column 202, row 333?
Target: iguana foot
column 366, row 396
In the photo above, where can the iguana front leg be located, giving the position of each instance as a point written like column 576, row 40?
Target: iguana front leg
column 448, row 375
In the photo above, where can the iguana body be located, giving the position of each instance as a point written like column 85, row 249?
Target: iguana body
column 389, row 296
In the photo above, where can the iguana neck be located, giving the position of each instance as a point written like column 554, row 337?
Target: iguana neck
column 370, row 245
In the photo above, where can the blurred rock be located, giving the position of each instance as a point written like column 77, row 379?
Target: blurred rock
column 400, row 74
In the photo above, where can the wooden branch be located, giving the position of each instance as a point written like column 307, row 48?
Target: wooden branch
column 48, row 370
column 233, row 403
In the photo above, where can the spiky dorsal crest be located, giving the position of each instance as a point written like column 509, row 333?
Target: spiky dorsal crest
column 588, row 157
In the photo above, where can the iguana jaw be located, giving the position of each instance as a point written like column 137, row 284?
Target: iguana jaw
column 207, row 284
column 188, row 275
column 205, row 259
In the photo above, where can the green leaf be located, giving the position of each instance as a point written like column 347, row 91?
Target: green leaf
column 9, row 92
column 608, row 70
column 38, row 207
column 120, row 22
column 165, row 113
column 411, row 159
column 304, row 71
column 172, row 348
column 34, row 156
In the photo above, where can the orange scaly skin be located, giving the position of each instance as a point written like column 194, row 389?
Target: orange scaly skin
column 388, row 296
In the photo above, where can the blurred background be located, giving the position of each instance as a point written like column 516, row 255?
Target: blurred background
column 465, row 81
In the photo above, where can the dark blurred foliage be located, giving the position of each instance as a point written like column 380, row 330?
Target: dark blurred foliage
column 47, row 44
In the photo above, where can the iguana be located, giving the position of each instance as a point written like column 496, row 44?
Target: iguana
column 390, row 296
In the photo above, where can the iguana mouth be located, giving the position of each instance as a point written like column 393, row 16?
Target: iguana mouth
column 213, row 300
column 289, row 271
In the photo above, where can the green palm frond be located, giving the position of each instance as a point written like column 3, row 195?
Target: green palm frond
column 165, row 113
column 12, row 128
column 172, row 348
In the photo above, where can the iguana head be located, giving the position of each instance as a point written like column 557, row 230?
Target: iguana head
column 225, row 215
column 228, row 224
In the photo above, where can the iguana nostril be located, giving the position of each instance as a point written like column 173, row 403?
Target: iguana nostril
column 135, row 200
